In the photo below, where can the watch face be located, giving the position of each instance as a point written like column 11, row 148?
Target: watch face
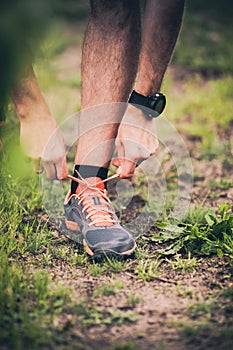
column 157, row 103
column 160, row 105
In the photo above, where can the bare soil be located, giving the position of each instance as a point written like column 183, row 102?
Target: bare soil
column 176, row 310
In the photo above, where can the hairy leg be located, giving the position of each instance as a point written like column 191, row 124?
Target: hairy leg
column 136, row 138
column 109, row 65
column 161, row 26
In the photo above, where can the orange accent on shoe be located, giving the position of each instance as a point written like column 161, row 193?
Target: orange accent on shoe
column 72, row 225
column 88, row 250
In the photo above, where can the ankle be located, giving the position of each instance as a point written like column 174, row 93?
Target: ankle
column 92, row 174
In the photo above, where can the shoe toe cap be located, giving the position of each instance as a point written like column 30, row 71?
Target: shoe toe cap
column 113, row 238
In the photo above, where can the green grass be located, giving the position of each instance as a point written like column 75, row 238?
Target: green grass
column 202, row 106
column 29, row 304
column 204, row 113
column 28, row 298
column 205, row 40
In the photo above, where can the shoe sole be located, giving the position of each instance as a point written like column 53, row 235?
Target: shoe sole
column 109, row 252
column 73, row 226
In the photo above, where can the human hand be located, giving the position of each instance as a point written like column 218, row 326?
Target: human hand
column 135, row 142
column 42, row 142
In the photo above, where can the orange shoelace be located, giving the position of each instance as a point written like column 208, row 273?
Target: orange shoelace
column 93, row 197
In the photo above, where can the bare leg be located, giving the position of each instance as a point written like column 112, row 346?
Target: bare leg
column 136, row 138
column 109, row 66
column 162, row 21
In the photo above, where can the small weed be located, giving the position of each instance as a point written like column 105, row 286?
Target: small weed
column 201, row 233
column 148, row 269
column 119, row 317
column 227, row 292
column 119, row 284
column 62, row 252
column 184, row 292
column 204, row 309
column 114, row 265
column 133, row 299
column 110, row 288
column 90, row 315
column 76, row 258
column 46, row 258
column 206, row 334
column 142, row 252
column 185, row 265
column 222, row 184
column 105, row 289
column 189, row 329
column 129, row 345
column 36, row 236
column 96, row 269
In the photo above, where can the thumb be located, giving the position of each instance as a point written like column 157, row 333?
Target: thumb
column 116, row 162
column 61, row 169
column 127, row 168
column 37, row 165
column 121, row 154
column 125, row 165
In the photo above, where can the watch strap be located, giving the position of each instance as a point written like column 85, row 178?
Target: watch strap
column 154, row 103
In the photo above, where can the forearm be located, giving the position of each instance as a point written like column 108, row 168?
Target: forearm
column 40, row 138
column 27, row 97
column 161, row 26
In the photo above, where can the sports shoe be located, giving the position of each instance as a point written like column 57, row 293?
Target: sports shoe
column 91, row 212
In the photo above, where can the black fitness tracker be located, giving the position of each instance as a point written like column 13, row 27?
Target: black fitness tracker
column 154, row 104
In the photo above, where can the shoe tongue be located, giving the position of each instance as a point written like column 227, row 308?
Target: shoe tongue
column 93, row 181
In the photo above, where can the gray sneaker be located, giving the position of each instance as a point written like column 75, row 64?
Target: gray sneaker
column 91, row 212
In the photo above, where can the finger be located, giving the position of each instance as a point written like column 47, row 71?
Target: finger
column 155, row 147
column 37, row 166
column 61, row 169
column 116, row 162
column 121, row 155
column 50, row 170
